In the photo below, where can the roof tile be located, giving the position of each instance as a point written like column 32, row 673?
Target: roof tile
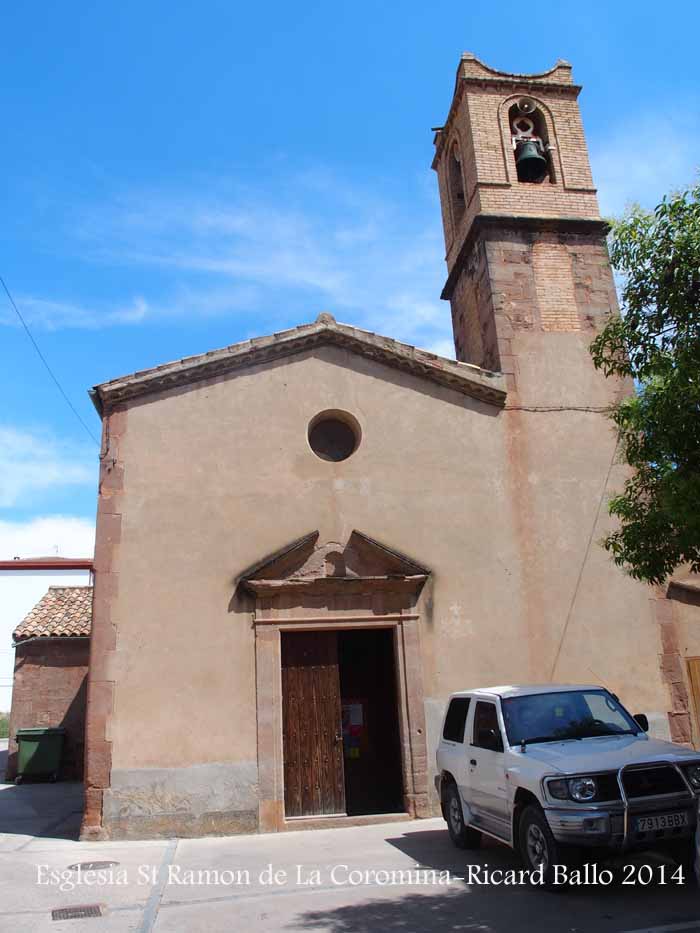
column 64, row 611
column 463, row 377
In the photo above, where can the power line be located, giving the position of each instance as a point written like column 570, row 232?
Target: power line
column 43, row 360
column 584, row 562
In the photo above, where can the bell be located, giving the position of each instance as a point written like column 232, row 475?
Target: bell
column 529, row 162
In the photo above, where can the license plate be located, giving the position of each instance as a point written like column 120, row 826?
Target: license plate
column 646, row 824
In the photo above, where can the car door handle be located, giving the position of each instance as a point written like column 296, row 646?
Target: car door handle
column 473, row 762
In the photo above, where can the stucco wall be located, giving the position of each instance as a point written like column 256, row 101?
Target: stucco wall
column 220, row 475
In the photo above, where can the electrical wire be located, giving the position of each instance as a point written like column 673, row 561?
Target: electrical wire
column 569, row 614
column 44, row 361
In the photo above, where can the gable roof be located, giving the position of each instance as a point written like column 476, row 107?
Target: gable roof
column 463, row 377
column 63, row 611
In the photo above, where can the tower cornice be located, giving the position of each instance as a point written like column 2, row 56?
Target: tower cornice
column 485, row 223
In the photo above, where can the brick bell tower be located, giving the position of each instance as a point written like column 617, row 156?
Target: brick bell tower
column 529, row 284
column 529, row 281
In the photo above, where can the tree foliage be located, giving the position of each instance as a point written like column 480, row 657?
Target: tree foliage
column 656, row 342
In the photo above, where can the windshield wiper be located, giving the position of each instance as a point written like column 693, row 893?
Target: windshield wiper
column 547, row 738
column 599, row 735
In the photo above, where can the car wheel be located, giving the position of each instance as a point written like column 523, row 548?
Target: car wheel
column 539, row 849
column 463, row 836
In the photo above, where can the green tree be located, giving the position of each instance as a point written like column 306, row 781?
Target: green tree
column 656, row 342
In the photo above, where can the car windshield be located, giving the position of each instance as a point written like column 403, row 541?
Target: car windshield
column 572, row 714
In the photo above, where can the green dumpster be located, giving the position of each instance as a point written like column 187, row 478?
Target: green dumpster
column 39, row 753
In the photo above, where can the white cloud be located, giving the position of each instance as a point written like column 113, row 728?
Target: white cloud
column 296, row 244
column 355, row 252
column 57, row 315
column 48, row 536
column 54, row 315
column 32, row 462
column 642, row 160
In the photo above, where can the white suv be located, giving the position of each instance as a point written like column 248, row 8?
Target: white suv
column 552, row 769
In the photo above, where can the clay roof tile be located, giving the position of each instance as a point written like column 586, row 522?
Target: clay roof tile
column 64, row 611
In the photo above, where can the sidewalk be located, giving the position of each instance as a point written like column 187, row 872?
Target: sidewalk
column 267, row 883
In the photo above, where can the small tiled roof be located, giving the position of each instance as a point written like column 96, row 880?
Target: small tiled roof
column 62, row 611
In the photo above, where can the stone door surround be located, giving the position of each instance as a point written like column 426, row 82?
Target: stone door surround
column 307, row 587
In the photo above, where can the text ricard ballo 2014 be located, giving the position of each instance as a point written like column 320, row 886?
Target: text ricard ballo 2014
column 343, row 875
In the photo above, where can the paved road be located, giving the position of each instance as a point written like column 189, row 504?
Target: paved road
column 38, row 825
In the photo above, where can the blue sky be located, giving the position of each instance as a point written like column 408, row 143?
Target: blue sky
column 182, row 176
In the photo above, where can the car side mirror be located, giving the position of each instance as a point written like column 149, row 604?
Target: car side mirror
column 489, row 738
column 642, row 721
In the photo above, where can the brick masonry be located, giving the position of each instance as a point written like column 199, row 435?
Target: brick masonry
column 50, row 686
column 478, row 125
column 554, row 286
column 519, row 277
column 518, row 280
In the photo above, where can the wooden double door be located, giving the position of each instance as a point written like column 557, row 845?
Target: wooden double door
column 314, row 781
column 340, row 723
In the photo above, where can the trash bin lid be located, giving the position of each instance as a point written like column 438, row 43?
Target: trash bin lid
column 33, row 733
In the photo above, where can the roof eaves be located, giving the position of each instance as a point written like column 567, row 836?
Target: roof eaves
column 463, row 377
column 63, row 611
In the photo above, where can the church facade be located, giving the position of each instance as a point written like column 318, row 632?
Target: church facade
column 307, row 541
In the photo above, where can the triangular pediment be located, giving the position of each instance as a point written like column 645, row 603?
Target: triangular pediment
column 325, row 330
column 307, row 563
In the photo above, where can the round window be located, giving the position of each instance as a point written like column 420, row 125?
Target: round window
column 334, row 435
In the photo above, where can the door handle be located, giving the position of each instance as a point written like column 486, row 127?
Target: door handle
column 473, row 762
column 338, row 737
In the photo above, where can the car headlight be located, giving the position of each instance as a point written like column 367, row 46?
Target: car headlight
column 693, row 775
column 583, row 788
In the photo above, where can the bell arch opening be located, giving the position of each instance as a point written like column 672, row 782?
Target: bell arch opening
column 456, row 185
column 530, row 142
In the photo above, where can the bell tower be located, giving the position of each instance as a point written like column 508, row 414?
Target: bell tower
column 529, row 281
column 530, row 285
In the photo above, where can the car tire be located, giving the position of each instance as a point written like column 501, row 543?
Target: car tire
column 463, row 836
column 539, row 849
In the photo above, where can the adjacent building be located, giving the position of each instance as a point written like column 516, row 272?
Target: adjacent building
column 23, row 582
column 52, row 654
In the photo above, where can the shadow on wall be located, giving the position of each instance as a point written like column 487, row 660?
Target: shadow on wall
column 50, row 690
column 489, row 908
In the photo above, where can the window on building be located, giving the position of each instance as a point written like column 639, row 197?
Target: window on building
column 334, row 435
column 456, row 719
